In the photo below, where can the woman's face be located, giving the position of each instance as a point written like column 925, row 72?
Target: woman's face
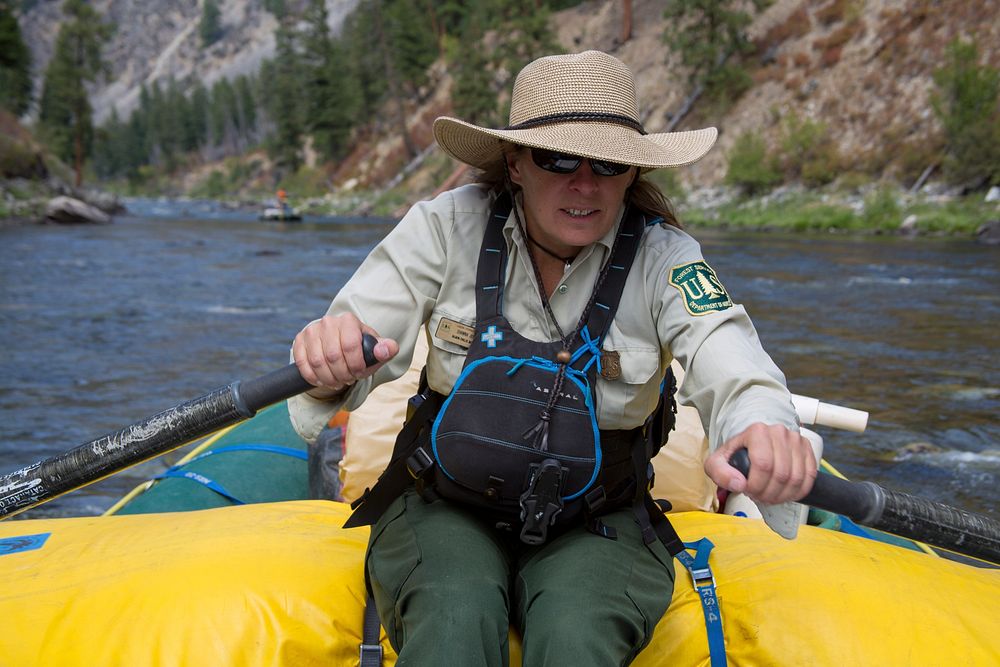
column 566, row 212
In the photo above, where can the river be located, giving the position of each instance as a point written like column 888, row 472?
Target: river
column 101, row 326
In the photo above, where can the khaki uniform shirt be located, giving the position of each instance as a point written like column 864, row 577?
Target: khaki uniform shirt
column 673, row 305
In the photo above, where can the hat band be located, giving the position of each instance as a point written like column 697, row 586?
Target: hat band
column 569, row 117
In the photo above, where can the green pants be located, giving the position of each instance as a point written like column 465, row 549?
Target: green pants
column 448, row 585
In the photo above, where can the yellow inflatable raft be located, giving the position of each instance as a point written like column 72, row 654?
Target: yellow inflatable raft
column 281, row 584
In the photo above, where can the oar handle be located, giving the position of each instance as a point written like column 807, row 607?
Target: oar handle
column 899, row 513
column 161, row 433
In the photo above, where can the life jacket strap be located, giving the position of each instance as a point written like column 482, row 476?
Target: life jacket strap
column 406, row 464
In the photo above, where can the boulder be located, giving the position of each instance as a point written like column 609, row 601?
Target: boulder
column 989, row 233
column 66, row 210
column 909, row 226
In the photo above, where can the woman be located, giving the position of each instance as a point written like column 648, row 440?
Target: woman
column 583, row 290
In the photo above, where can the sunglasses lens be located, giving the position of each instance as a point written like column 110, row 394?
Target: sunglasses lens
column 604, row 168
column 558, row 163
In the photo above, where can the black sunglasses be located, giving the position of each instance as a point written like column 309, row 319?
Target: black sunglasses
column 560, row 163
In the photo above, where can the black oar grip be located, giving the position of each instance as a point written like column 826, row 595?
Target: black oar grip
column 286, row 382
column 899, row 513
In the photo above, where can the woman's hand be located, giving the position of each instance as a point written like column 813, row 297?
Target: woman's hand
column 329, row 356
column 782, row 464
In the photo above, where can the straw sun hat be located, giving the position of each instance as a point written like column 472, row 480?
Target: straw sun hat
column 582, row 104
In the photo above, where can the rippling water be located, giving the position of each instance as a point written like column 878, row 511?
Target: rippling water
column 102, row 326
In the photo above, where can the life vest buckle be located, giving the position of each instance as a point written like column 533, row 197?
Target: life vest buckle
column 541, row 502
column 419, row 463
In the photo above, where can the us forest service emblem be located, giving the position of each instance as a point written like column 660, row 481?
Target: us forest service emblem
column 700, row 288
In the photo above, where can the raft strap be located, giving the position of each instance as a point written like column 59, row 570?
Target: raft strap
column 704, row 584
column 178, row 472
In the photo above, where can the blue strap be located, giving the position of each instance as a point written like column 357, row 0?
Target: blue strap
column 249, row 447
column 588, row 344
column 178, row 472
column 201, row 479
column 704, row 583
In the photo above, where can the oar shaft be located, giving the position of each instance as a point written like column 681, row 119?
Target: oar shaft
column 42, row 481
column 901, row 514
column 143, row 440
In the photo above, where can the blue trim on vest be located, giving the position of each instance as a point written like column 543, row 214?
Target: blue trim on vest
column 704, row 584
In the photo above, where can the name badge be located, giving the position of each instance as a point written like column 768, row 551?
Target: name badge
column 611, row 365
column 455, row 332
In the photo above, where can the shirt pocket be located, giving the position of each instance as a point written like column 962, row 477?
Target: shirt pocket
column 624, row 402
column 446, row 357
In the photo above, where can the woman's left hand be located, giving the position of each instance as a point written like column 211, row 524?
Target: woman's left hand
column 782, row 464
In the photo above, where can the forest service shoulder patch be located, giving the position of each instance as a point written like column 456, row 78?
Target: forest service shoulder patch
column 701, row 290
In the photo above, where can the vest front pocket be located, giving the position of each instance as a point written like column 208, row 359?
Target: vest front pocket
column 486, row 437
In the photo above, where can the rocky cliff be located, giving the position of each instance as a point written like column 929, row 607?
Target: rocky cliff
column 159, row 40
column 862, row 67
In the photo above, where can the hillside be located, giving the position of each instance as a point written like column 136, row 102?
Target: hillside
column 861, row 68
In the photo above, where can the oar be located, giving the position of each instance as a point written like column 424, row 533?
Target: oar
column 161, row 433
column 901, row 514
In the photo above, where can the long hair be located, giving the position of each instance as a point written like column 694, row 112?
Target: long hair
column 643, row 194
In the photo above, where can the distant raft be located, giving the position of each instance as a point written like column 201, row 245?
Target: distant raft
column 278, row 214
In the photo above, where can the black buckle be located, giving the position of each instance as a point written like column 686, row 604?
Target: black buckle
column 541, row 502
column 418, row 463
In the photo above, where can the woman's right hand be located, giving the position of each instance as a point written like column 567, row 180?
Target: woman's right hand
column 329, row 356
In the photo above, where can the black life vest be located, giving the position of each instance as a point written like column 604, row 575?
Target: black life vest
column 488, row 443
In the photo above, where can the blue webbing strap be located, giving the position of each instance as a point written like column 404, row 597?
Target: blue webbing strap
column 201, row 479
column 178, row 472
column 250, row 447
column 704, row 583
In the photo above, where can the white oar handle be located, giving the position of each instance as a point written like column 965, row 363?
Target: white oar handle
column 814, row 411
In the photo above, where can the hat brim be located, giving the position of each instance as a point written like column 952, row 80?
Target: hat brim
column 482, row 147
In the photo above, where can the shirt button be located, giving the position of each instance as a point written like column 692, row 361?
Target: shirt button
column 563, row 289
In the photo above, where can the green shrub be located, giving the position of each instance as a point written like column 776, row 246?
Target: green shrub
column 882, row 212
column 751, row 168
column 809, row 152
column 966, row 105
column 19, row 160
column 669, row 184
column 213, row 187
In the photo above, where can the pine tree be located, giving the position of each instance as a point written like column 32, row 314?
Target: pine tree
column 248, row 109
column 411, row 41
column 330, row 92
column 65, row 115
column 15, row 63
column 706, row 33
column 473, row 95
column 283, row 104
column 395, row 89
column 210, row 26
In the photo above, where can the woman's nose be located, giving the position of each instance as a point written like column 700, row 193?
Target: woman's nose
column 584, row 178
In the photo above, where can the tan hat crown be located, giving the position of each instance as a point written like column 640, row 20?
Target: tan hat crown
column 573, row 87
column 581, row 104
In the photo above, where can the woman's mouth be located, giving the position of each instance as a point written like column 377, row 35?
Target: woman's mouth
column 579, row 212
